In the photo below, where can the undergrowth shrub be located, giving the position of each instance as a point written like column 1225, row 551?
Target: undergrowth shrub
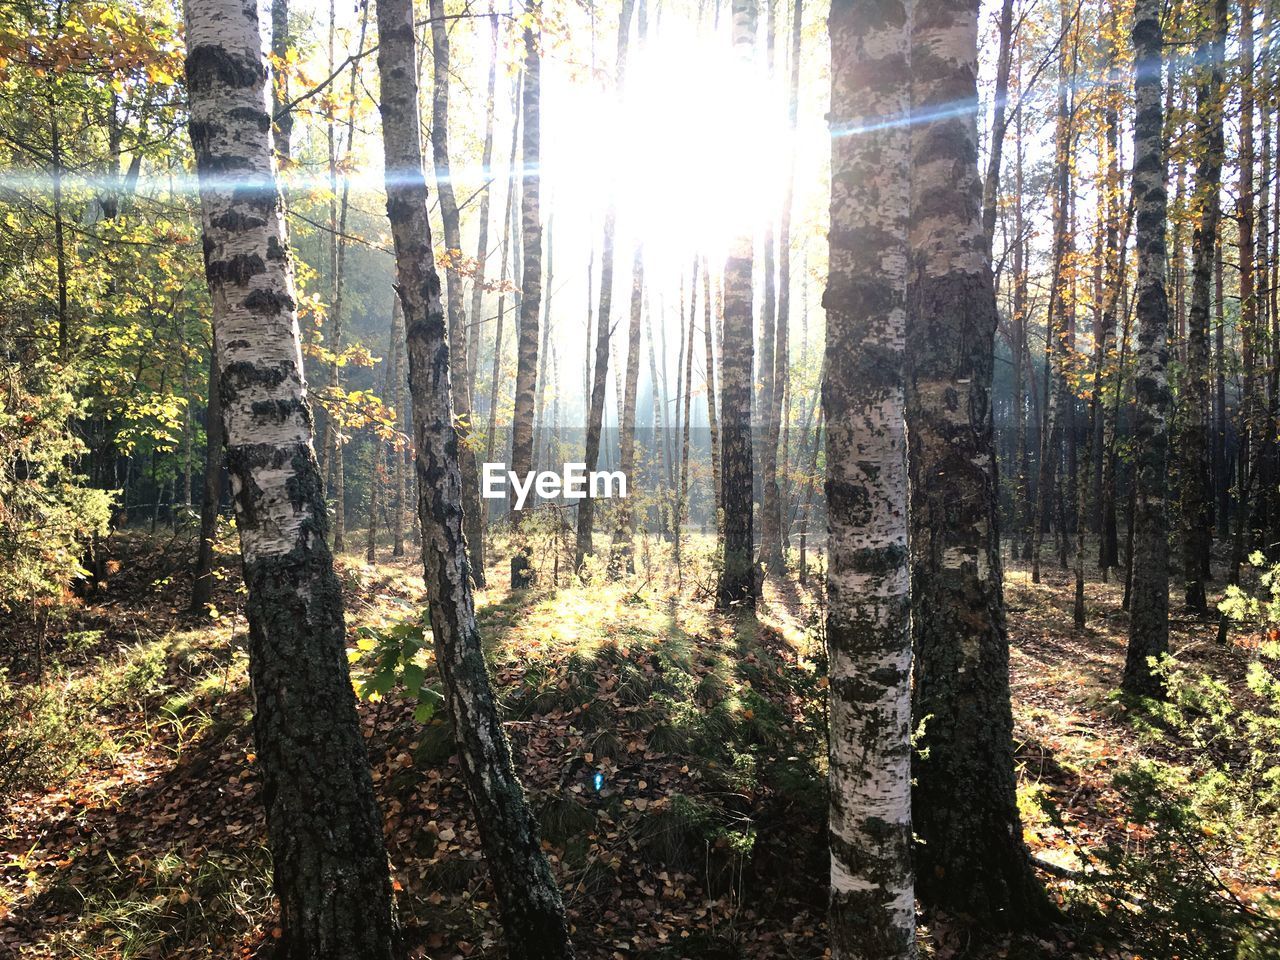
column 1190, row 876
column 47, row 511
column 41, row 736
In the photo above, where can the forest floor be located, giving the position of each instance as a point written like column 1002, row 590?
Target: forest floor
column 675, row 757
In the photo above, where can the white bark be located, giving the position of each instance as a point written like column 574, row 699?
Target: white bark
column 245, row 237
column 868, row 623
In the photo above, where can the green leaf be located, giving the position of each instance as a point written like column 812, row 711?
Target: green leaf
column 381, row 682
column 413, row 676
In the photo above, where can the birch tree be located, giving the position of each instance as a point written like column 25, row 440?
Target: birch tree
column 709, row 378
column 400, row 397
column 323, row 823
column 771, row 560
column 600, row 381
column 528, row 899
column 461, row 374
column 334, row 467
column 621, row 559
column 872, row 905
column 211, row 492
column 686, row 416
column 1149, row 605
column 513, row 182
column 1058, row 326
column 531, row 280
column 737, row 581
column 1109, row 540
column 1194, row 445
column 971, row 860
column 775, row 536
column 999, row 123
column 482, row 237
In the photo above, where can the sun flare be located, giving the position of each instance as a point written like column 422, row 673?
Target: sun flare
column 692, row 150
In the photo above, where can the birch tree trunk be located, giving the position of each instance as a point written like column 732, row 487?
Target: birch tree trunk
column 995, row 149
column 1107, row 281
column 1248, row 325
column 1197, row 516
column 473, row 521
column 512, row 183
column 872, row 905
column 529, row 901
column 682, row 495
column 1221, row 471
column 211, row 495
column 621, row 557
column 1084, row 478
column 737, row 580
column 540, row 431
column 338, row 210
column 774, row 536
column 681, row 406
column 187, row 439
column 482, row 240
column 1109, row 535
column 1056, row 332
column 771, row 560
column 658, row 398
column 323, row 823
column 377, row 474
column 709, row 376
column 530, row 283
column 399, row 396
column 1268, row 523
column 972, row 861
column 1149, row 603
column 600, row 381
column 802, row 561
column 662, row 407
column 1024, row 517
